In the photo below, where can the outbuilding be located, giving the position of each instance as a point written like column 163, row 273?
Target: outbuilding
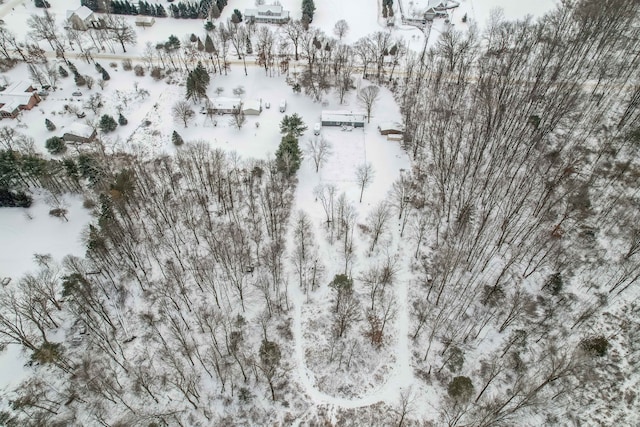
column 145, row 21
column 251, row 108
column 391, row 128
column 343, row 118
column 79, row 133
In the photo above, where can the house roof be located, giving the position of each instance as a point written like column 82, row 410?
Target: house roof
column 267, row 10
column 15, row 95
column 83, row 12
column 343, row 116
column 251, row 105
column 226, row 103
column 79, row 129
column 391, row 126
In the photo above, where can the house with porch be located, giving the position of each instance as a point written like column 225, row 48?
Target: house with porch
column 267, row 14
column 224, row 106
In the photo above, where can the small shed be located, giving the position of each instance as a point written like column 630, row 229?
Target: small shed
column 391, row 128
column 343, row 118
column 225, row 106
column 79, row 133
column 251, row 108
column 145, row 21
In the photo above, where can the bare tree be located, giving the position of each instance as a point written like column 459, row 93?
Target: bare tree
column 364, row 177
column 182, row 111
column 341, row 28
column 377, row 222
column 367, row 97
column 94, row 103
column 238, row 119
column 120, row 31
column 319, row 149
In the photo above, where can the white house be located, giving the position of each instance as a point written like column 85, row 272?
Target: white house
column 82, row 18
column 267, row 14
column 343, row 118
column 225, row 106
column 251, row 108
column 78, row 132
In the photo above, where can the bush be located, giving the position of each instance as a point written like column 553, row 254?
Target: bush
column 460, row 388
column 176, row 139
column 597, row 346
column 127, row 65
column 49, row 124
column 107, row 123
column 156, row 73
column 56, row 145
column 138, row 70
column 17, row 199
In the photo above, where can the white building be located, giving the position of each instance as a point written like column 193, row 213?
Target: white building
column 82, row 18
column 354, row 119
column 145, row 21
column 251, row 108
column 267, row 14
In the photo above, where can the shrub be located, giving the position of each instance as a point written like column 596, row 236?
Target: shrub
column 460, row 388
column 156, row 73
column 176, row 139
column 597, row 346
column 138, row 70
column 107, row 123
column 49, row 124
column 56, row 145
column 14, row 199
column 127, row 65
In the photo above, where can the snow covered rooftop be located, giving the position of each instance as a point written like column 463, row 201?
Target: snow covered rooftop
column 15, row 95
column 226, row 103
column 343, row 116
column 251, row 105
column 79, row 129
column 384, row 126
column 83, row 12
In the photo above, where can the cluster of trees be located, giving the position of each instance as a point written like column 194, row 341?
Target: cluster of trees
column 197, row 83
column 194, row 10
column 222, row 256
column 124, row 7
column 514, row 152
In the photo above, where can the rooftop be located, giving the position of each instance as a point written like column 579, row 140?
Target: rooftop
column 79, row 129
column 343, row 116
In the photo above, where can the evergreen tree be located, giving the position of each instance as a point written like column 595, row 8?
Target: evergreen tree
column 122, row 120
column 49, row 124
column 63, row 72
column 214, row 12
column 176, row 139
column 308, row 8
column 249, row 47
column 292, row 125
column 197, row 83
column 237, row 14
column 289, row 156
column 208, row 26
column 107, row 123
column 56, row 145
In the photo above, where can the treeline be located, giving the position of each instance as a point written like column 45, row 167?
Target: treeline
column 184, row 9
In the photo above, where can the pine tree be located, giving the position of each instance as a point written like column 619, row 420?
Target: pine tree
column 197, row 83
column 49, row 124
column 214, row 12
column 308, row 8
column 176, row 139
column 289, row 156
column 63, row 72
column 56, row 145
column 122, row 120
column 107, row 123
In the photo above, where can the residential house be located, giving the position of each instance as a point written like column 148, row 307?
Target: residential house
column 82, row 18
column 267, row 14
column 252, row 108
column 79, row 133
column 17, row 97
column 344, row 118
column 224, row 106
